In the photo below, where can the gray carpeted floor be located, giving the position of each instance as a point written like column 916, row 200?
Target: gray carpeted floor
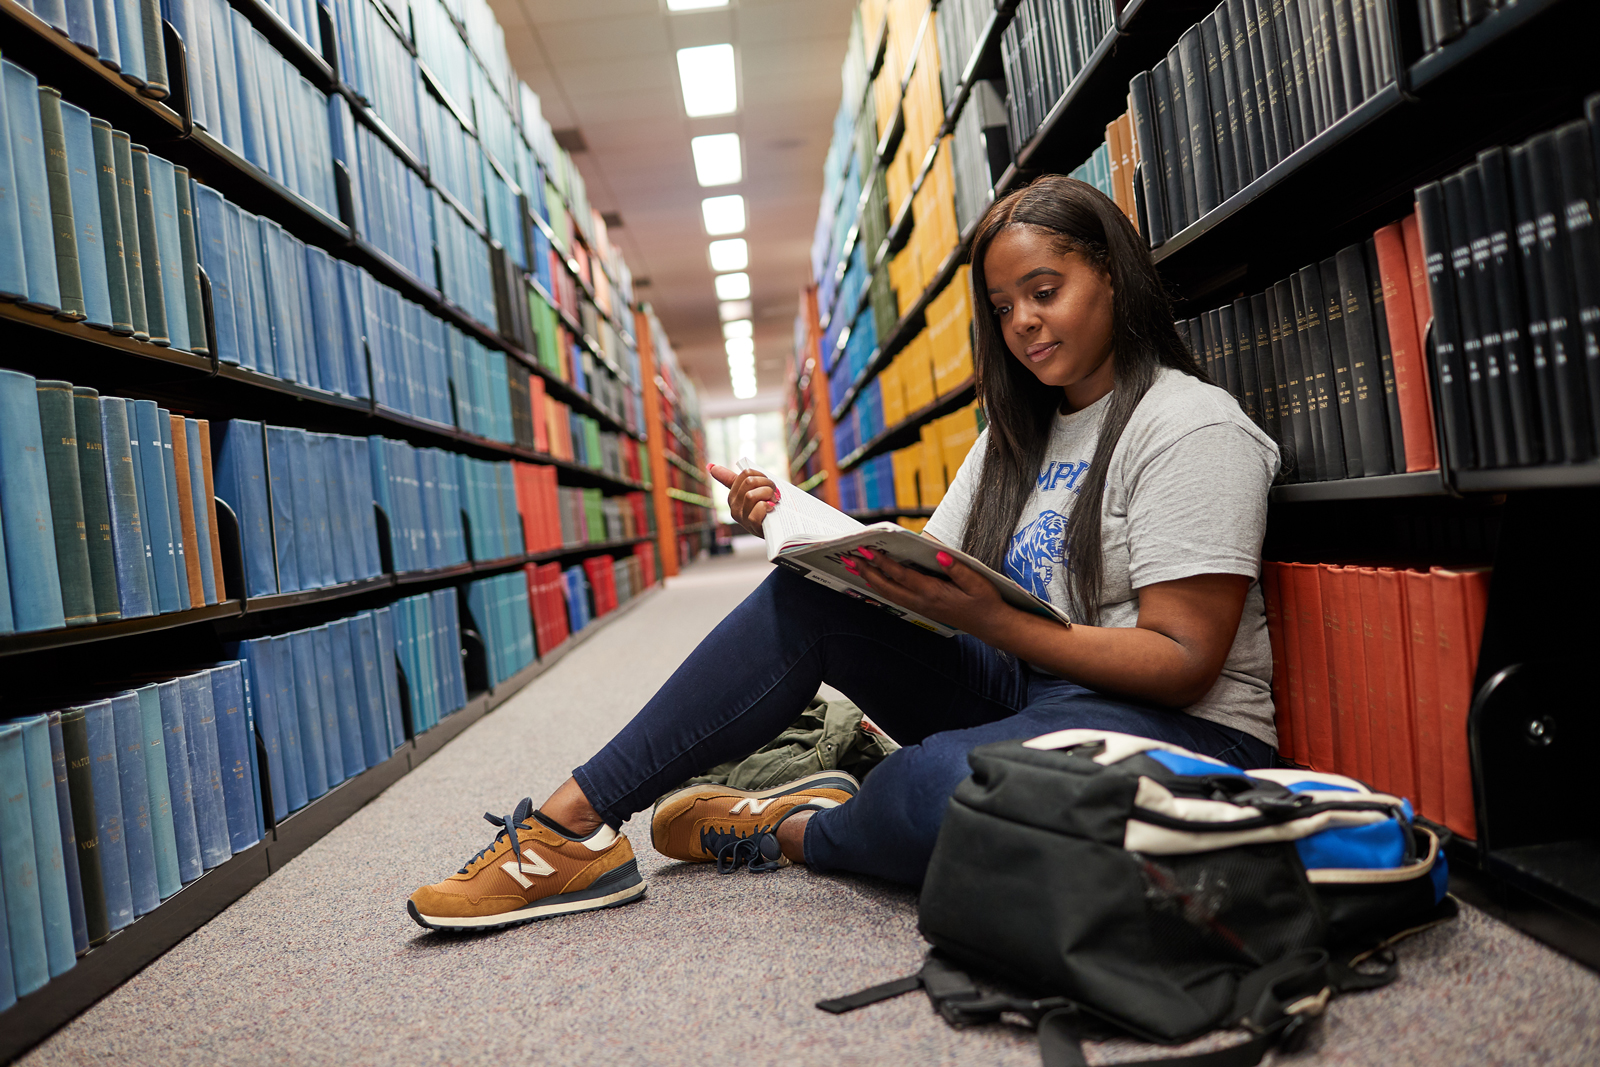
column 321, row 965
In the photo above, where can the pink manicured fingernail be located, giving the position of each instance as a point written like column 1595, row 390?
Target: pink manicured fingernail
column 945, row 559
column 850, row 566
column 776, row 496
column 865, row 551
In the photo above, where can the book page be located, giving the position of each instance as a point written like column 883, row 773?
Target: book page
column 799, row 518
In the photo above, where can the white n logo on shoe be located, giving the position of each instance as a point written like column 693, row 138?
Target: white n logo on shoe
column 530, row 864
column 751, row 806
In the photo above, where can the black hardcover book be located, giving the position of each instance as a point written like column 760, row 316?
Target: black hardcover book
column 1344, row 382
column 1302, row 22
column 1378, row 34
column 1487, row 311
column 1380, row 330
column 1474, row 11
column 1180, row 124
column 1457, row 249
column 1561, row 306
column 1444, row 18
column 1329, row 68
column 1430, row 36
column 1186, row 335
column 1244, row 76
column 1197, row 105
column 1575, row 154
column 1276, row 139
column 1223, row 107
column 1167, row 138
column 1552, row 436
column 1366, row 375
column 1286, row 356
column 1321, row 391
column 1202, row 327
column 1297, row 92
column 1151, row 183
column 1455, row 411
column 1361, row 38
column 1244, row 343
column 1227, row 355
column 1266, row 368
column 1344, row 54
column 1516, row 368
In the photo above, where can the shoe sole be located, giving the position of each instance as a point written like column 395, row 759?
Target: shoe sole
column 549, row 908
column 839, row 780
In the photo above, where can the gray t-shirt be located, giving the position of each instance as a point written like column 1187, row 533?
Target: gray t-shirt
column 1186, row 495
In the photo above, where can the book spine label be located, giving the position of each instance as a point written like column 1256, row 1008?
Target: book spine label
column 158, row 779
column 189, row 594
column 111, row 227
column 137, row 833
column 57, row 422
column 89, row 233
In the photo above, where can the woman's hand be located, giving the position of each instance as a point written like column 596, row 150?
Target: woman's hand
column 751, row 495
column 968, row 601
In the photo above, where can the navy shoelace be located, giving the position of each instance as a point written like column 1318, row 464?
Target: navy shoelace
column 758, row 850
column 509, row 825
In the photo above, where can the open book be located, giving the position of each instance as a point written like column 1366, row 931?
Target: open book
column 812, row 538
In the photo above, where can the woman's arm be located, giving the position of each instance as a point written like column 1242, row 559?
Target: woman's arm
column 1172, row 656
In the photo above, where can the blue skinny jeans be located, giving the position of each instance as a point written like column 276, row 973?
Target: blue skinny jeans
column 939, row 697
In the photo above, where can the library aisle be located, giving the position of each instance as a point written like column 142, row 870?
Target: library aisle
column 320, row 964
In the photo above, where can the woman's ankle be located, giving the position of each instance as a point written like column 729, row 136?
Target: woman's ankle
column 569, row 807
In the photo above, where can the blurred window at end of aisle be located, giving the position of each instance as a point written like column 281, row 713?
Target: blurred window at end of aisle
column 758, row 437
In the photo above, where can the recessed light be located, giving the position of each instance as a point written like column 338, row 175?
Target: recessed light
column 733, row 286
column 729, row 310
column 709, row 86
column 744, row 390
column 694, row 5
column 716, row 158
column 732, row 254
column 738, row 328
column 723, row 214
column 743, row 347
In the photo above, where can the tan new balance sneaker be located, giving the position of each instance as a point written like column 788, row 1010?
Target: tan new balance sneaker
column 531, row 871
column 701, row 823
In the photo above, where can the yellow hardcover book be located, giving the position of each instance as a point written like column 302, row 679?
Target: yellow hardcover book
column 930, row 477
column 907, row 462
column 894, row 397
column 957, row 431
column 916, row 376
column 914, row 525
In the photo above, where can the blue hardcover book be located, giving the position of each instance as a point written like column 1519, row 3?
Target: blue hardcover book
column 163, row 831
column 205, row 770
column 263, row 691
column 107, row 787
column 313, row 749
column 280, row 664
column 8, row 982
column 19, row 868
column 53, row 12
column 306, row 512
column 205, row 57
column 244, row 61
column 211, row 233
column 276, row 290
column 285, row 530
column 354, row 347
column 328, row 704
column 80, row 26
column 29, row 531
column 169, row 471
column 233, row 753
column 134, row 595
column 164, row 540
column 227, row 75
column 202, row 509
column 164, row 192
column 317, row 471
column 264, row 59
column 138, row 838
column 388, row 671
column 378, row 464
column 49, row 858
column 130, row 40
column 243, row 310
column 256, row 752
column 255, row 267
column 349, row 705
column 327, row 319
column 144, row 504
column 329, row 453
column 310, row 369
column 66, row 834
column 365, row 501
column 110, row 49
column 241, row 481
column 33, row 189
column 374, row 722
column 13, row 267
column 180, row 781
column 348, row 502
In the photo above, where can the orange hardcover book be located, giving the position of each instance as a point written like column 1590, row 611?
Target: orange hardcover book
column 1394, row 635
column 541, row 437
column 1429, row 797
column 1360, row 733
column 1405, row 345
column 1459, row 600
column 1306, row 605
column 1417, row 271
column 1378, row 707
column 1114, row 158
column 1271, row 595
column 191, row 535
column 1336, row 640
column 211, row 508
column 1294, row 686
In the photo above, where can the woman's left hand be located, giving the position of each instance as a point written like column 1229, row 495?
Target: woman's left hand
column 968, row 601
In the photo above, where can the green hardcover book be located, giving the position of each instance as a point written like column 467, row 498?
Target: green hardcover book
column 127, row 213
column 191, row 262
column 62, row 226
column 155, row 304
column 155, row 51
column 85, row 821
column 96, row 504
column 56, row 419
column 105, row 164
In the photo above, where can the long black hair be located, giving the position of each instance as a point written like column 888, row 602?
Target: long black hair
column 1020, row 408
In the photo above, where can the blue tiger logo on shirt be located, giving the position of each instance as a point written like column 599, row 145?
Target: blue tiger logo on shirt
column 1036, row 551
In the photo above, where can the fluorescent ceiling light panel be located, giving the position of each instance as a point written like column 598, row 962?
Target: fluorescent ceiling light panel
column 744, row 390
column 742, row 347
column 739, row 328
column 694, row 5
column 733, row 286
column 709, row 86
column 716, row 158
column 729, row 310
column 723, row 214
column 732, row 254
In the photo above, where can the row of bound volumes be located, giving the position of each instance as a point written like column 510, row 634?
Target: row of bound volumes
column 547, row 597
column 499, row 607
column 124, row 35
column 375, row 62
column 112, row 805
column 1513, row 269
column 1043, row 48
column 1442, row 21
column 1242, row 90
column 106, row 506
column 444, row 508
column 555, row 517
column 1329, row 361
column 428, row 645
column 1373, row 671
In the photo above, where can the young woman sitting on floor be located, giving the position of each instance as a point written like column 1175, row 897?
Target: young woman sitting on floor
column 1095, row 408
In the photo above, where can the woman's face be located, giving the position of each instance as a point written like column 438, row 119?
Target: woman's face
column 1054, row 311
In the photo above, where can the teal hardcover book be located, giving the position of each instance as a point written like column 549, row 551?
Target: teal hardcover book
column 164, row 205
column 66, row 836
column 107, row 786
column 199, row 344
column 138, row 838
column 19, row 868
column 180, row 781
column 105, row 171
column 163, row 539
column 84, row 185
column 156, row 300
column 32, row 188
column 63, row 230
column 57, row 421
column 96, row 503
column 13, row 264
column 205, row 771
column 128, row 215
column 163, row 829
column 135, row 596
column 32, row 575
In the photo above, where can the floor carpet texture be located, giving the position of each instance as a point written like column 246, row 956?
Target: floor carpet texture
column 321, row 965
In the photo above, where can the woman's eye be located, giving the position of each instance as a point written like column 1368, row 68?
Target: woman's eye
column 1001, row 310
column 1044, row 294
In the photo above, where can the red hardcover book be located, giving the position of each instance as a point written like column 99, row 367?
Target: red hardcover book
column 1271, row 594
column 1306, row 605
column 1417, row 271
column 541, row 437
column 1336, row 640
column 1294, row 668
column 1360, row 734
column 1405, row 344
column 1459, row 601
column 1394, row 624
column 1429, row 797
column 1378, row 708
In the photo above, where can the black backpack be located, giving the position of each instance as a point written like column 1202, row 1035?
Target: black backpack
column 1124, row 881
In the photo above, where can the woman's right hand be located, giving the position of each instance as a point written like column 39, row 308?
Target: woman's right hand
column 751, row 495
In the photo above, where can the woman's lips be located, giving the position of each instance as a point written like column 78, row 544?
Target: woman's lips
column 1041, row 351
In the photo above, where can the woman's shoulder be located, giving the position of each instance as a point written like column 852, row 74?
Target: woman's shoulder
column 1178, row 404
